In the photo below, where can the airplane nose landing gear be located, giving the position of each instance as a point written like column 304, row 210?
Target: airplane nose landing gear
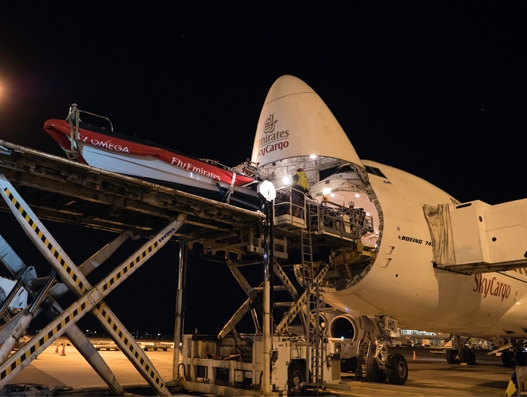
column 397, row 369
column 460, row 352
column 378, row 365
column 374, row 372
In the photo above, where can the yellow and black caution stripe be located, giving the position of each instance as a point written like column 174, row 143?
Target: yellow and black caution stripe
column 139, row 356
column 130, row 265
column 33, row 347
column 131, row 347
column 45, row 240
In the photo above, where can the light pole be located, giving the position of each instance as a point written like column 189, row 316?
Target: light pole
column 267, row 191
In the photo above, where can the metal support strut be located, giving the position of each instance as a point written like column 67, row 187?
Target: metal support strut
column 27, row 276
column 89, row 298
column 178, row 332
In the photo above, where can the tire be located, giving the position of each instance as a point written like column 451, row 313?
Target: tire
column 296, row 375
column 467, row 355
column 397, row 369
column 374, row 373
column 451, row 356
column 471, row 357
column 506, row 359
column 462, row 355
column 521, row 358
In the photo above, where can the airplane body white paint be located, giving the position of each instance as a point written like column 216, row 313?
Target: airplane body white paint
column 404, row 284
column 401, row 282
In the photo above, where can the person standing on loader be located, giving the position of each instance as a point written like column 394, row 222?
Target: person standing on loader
column 298, row 192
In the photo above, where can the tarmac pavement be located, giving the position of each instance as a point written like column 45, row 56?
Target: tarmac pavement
column 429, row 374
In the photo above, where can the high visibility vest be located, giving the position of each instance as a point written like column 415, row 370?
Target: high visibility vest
column 302, row 180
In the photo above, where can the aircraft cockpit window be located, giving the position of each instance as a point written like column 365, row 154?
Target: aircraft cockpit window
column 375, row 171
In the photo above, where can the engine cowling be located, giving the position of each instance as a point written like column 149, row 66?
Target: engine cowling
column 343, row 326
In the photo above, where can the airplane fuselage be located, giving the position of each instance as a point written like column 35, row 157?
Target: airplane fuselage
column 403, row 282
column 396, row 276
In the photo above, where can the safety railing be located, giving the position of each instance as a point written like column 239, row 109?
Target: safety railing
column 344, row 222
column 290, row 207
column 293, row 207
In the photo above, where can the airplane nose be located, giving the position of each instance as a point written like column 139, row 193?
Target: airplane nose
column 295, row 122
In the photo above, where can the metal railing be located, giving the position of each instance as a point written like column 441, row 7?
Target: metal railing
column 345, row 222
column 295, row 208
column 290, row 201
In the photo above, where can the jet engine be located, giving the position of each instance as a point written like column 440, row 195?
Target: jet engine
column 343, row 326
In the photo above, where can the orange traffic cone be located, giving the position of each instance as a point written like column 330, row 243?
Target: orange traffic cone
column 57, row 349
column 414, row 357
column 63, row 353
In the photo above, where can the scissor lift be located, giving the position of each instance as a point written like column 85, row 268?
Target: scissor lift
column 37, row 186
column 70, row 192
column 301, row 361
column 90, row 298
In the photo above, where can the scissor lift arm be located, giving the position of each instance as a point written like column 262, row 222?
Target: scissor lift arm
column 90, row 298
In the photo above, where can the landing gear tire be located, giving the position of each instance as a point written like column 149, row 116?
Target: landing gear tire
column 467, row 355
column 521, row 358
column 451, row 356
column 472, row 357
column 397, row 369
column 374, row 373
column 507, row 359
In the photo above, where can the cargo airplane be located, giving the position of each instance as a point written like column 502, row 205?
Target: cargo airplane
column 426, row 261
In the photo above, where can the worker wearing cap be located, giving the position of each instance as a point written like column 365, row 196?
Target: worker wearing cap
column 299, row 189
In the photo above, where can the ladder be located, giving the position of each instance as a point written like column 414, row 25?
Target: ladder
column 364, row 348
column 315, row 337
column 306, row 248
column 314, row 333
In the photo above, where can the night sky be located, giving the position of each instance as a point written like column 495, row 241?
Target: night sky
column 437, row 89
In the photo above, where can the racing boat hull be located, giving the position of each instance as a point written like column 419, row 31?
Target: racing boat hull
column 121, row 154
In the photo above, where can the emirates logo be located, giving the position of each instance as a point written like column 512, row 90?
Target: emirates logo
column 270, row 124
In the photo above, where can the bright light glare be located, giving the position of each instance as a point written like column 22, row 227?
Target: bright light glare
column 313, row 156
column 326, row 191
column 286, row 180
column 267, row 190
column 357, row 195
